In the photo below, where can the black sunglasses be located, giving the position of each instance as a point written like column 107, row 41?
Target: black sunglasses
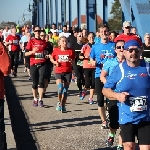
column 128, row 27
column 42, row 35
column 37, row 30
column 130, row 50
column 119, row 47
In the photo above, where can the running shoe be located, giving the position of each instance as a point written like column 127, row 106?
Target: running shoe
column 58, row 107
column 63, row 109
column 91, row 101
column 110, row 141
column 83, row 95
column 120, row 148
column 41, row 103
column 35, row 103
column 104, row 125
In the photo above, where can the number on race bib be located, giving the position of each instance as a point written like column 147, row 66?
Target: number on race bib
column 39, row 56
column 138, row 103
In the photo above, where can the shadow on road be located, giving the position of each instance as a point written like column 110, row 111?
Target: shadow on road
column 20, row 127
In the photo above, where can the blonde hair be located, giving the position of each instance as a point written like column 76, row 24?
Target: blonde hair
column 62, row 37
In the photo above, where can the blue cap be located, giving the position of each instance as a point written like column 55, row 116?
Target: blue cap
column 131, row 43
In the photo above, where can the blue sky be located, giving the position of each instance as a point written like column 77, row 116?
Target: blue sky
column 12, row 10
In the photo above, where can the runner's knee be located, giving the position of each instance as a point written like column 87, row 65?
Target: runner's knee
column 60, row 88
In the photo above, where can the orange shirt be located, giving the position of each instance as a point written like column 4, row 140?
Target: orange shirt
column 86, row 49
column 4, row 68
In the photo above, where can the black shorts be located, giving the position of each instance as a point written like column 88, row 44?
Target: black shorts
column 141, row 130
column 66, row 77
column 113, row 114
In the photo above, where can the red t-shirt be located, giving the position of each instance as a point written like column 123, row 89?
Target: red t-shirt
column 15, row 42
column 39, row 56
column 128, row 37
column 63, row 58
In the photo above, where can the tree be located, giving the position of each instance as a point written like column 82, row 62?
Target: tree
column 115, row 21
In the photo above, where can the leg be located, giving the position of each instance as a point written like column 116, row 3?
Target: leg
column 12, row 60
column 143, row 135
column 100, row 101
column 35, row 76
column 60, row 91
column 128, row 133
column 3, row 145
column 16, row 56
column 41, row 71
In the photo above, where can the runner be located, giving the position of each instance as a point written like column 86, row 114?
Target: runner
column 27, row 58
column 5, row 33
column 112, row 105
column 78, row 66
column 35, row 49
column 48, row 51
column 13, row 41
column 63, row 58
column 89, row 70
column 146, row 47
column 129, row 83
column 4, row 71
column 100, row 52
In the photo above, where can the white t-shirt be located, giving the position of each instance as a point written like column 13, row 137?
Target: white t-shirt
column 52, row 30
column 64, row 34
column 6, row 33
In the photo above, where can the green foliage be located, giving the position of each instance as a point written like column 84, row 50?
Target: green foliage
column 115, row 21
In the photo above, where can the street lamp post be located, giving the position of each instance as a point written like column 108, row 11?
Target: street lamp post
column 33, row 8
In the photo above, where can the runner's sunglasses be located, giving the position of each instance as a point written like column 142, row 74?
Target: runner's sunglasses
column 119, row 47
column 130, row 50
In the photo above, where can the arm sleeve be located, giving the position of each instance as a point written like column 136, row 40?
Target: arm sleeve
column 113, row 78
column 92, row 53
column 106, row 66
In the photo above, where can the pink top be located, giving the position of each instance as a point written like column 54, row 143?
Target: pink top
column 86, row 49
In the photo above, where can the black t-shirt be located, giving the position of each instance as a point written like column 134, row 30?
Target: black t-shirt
column 76, row 46
column 49, row 51
column 146, row 51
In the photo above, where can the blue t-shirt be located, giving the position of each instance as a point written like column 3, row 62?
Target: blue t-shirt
column 135, row 81
column 101, row 53
column 97, row 40
column 110, row 64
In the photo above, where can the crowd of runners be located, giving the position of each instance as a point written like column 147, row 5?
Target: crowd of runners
column 106, row 63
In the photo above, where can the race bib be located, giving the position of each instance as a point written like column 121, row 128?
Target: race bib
column 15, row 42
column 80, row 63
column 138, row 103
column 39, row 56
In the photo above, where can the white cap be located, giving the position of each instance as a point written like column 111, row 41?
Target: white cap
column 127, row 24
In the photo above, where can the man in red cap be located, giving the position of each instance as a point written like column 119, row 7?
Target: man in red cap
column 126, row 35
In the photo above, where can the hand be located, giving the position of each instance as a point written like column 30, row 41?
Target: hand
column 10, row 42
column 93, row 63
column 35, row 49
column 121, row 97
column 57, row 63
column 86, row 56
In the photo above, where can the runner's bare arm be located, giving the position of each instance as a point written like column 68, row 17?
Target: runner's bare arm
column 111, row 95
column 103, row 75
